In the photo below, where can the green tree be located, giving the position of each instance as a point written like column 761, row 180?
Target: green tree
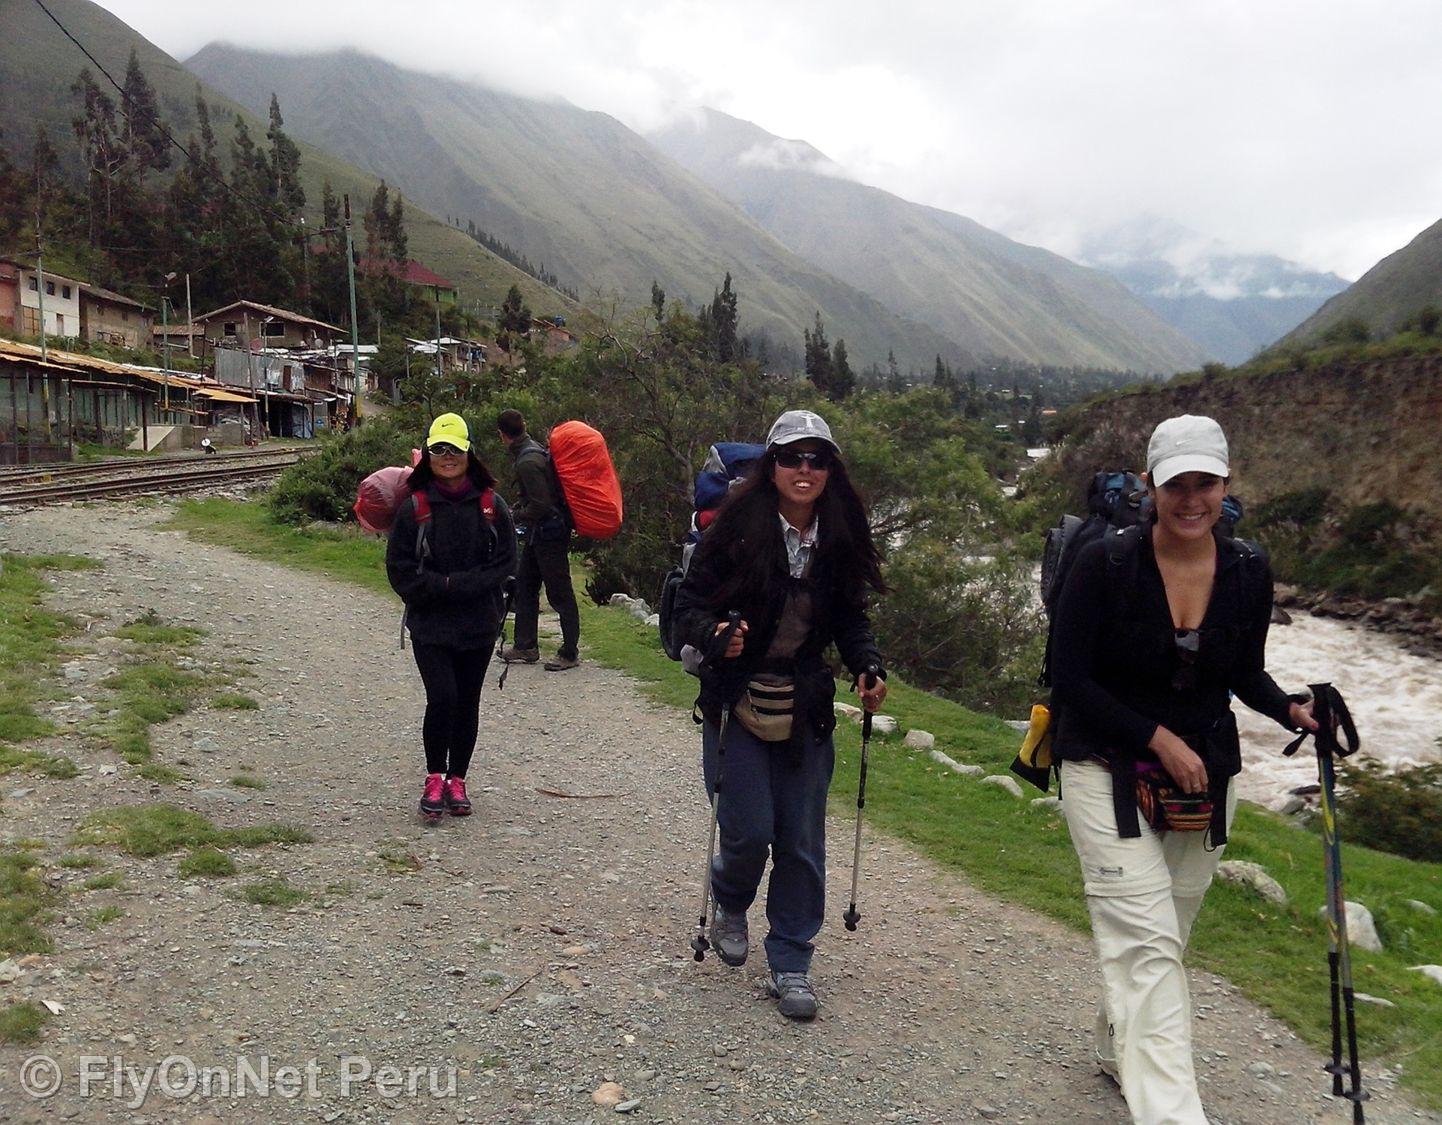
column 658, row 300
column 843, row 379
column 818, row 356
column 286, row 190
column 515, row 320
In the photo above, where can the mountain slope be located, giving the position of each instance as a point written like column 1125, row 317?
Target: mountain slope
column 1392, row 291
column 991, row 294
column 38, row 64
column 572, row 189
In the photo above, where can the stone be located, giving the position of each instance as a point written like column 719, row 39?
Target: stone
column 1363, row 998
column 1001, row 781
column 609, row 1093
column 956, row 767
column 653, row 621
column 1019, row 725
column 231, row 795
column 1422, row 906
column 847, row 711
column 9, row 971
column 638, row 609
column 620, row 600
column 919, row 740
column 1361, row 929
column 884, row 724
column 1290, row 805
column 1047, row 803
column 1247, row 874
column 627, row 1106
column 1431, row 972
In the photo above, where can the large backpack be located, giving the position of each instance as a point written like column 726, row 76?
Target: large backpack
column 726, row 462
column 587, row 478
column 380, row 494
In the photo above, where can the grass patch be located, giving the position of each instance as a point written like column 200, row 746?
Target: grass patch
column 245, row 781
column 30, row 650
column 21, row 1023
column 78, row 860
column 1276, row 955
column 397, row 860
column 207, row 862
column 147, row 692
column 25, row 901
column 106, row 914
column 148, row 629
column 233, row 701
column 107, row 882
column 272, row 892
column 152, row 830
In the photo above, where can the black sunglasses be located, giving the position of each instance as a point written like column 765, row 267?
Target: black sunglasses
column 445, row 449
column 792, row 459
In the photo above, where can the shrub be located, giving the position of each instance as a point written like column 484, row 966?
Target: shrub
column 323, row 486
column 1398, row 811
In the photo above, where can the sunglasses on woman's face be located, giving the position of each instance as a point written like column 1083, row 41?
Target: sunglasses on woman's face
column 793, row 459
column 444, row 449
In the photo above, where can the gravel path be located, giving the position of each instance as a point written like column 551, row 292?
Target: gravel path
column 539, row 949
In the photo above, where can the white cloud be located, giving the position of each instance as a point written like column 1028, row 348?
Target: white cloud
column 1287, row 126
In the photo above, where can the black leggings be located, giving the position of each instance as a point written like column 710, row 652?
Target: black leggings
column 453, row 679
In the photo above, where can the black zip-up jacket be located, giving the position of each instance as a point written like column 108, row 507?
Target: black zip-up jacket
column 1116, row 664
column 453, row 594
column 540, row 499
column 837, row 616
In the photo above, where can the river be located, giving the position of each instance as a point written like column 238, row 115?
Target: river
column 1395, row 697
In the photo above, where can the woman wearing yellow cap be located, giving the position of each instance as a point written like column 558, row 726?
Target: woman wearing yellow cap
column 452, row 549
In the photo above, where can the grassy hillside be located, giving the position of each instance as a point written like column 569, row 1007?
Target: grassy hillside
column 575, row 190
column 1386, row 296
column 38, row 64
column 993, row 295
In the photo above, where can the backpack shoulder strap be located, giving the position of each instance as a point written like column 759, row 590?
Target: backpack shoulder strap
column 422, row 504
column 488, row 506
column 1123, row 548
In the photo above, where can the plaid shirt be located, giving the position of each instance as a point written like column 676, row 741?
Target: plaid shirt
column 799, row 545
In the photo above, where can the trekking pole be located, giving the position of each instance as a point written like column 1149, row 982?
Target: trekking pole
column 852, row 915
column 699, row 944
column 509, row 586
column 1330, row 710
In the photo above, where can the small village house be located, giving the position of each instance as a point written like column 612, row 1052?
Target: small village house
column 20, row 301
column 112, row 318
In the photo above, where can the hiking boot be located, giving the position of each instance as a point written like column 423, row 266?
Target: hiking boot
column 433, row 801
column 793, row 990
column 457, row 803
column 728, row 936
column 560, row 662
column 513, row 655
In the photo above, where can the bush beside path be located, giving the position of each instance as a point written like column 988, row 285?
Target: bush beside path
column 537, row 950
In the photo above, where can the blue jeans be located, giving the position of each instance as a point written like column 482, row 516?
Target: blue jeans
column 772, row 801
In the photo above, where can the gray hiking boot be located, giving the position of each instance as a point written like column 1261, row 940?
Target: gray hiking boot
column 793, row 990
column 729, row 937
column 560, row 663
column 513, row 655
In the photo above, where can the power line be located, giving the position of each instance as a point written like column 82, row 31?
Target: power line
column 264, row 209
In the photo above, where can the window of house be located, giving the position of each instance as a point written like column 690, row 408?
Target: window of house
column 230, row 328
column 60, row 324
column 50, row 288
column 33, row 287
column 125, row 315
column 272, row 328
column 65, row 292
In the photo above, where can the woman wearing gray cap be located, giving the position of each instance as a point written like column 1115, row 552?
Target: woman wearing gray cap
column 790, row 555
column 1157, row 627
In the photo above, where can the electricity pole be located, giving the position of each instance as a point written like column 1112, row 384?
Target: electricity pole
column 354, row 324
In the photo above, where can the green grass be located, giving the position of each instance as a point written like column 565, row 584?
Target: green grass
column 207, row 862
column 77, row 860
column 245, row 781
column 25, row 901
column 98, row 918
column 30, row 649
column 149, row 629
column 152, row 830
column 1276, row 955
column 107, row 882
column 21, row 1023
column 272, row 892
column 233, row 701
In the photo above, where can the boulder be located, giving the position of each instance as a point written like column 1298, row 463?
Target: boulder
column 1361, row 929
column 620, row 600
column 638, row 609
column 653, row 621
column 1422, row 906
column 1047, row 803
column 956, row 767
column 1001, row 781
column 1255, row 876
column 847, row 711
column 1432, row 972
column 1019, row 725
column 884, row 724
column 919, row 740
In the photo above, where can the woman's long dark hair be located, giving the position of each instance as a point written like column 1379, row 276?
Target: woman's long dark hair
column 423, row 474
column 745, row 530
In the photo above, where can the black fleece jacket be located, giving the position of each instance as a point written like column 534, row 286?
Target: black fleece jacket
column 837, row 616
column 454, row 594
column 536, row 484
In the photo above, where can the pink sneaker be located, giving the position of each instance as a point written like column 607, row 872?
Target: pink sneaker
column 456, row 800
column 433, row 796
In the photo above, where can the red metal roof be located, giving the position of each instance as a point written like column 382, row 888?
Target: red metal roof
column 412, row 272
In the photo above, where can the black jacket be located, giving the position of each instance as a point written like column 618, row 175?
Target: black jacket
column 454, row 594
column 1117, row 672
column 837, row 616
column 540, row 501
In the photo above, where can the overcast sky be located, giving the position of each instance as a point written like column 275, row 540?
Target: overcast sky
column 1305, row 128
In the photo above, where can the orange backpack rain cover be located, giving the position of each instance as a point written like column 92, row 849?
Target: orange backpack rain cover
column 588, row 479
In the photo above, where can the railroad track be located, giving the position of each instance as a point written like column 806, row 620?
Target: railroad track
column 119, row 478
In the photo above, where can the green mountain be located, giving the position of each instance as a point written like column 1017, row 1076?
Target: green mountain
column 574, row 190
column 990, row 294
column 1391, row 292
column 38, row 64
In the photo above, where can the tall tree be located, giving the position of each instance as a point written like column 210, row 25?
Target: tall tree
column 843, row 379
column 286, row 189
column 147, row 147
column 102, row 149
column 721, row 324
column 818, row 356
column 658, row 300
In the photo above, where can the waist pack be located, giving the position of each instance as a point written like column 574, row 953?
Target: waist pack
column 1167, row 808
column 766, row 710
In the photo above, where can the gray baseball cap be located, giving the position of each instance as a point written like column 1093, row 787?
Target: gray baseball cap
column 799, row 425
column 1188, row 443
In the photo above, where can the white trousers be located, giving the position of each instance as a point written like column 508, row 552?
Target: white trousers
column 1143, row 895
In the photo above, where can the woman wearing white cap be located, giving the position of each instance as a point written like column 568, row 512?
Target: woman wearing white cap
column 1156, row 627
column 791, row 553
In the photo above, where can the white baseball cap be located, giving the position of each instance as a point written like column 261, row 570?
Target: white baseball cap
column 799, row 425
column 1188, row 443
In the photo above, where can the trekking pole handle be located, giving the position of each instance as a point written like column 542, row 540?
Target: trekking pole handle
column 723, row 639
